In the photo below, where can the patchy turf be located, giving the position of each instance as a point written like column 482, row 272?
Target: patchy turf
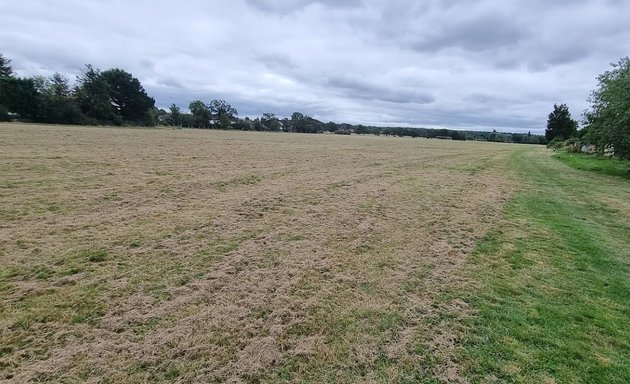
column 131, row 255
column 161, row 255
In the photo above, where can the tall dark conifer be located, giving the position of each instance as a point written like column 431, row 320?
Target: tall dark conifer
column 560, row 125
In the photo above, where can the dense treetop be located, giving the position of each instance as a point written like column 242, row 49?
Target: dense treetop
column 5, row 67
column 560, row 125
column 109, row 97
column 607, row 122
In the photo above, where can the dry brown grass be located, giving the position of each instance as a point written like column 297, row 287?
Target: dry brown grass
column 133, row 255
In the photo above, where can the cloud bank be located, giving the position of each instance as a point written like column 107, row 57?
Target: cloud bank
column 437, row 63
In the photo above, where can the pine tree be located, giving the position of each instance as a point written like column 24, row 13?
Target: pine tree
column 5, row 67
column 560, row 125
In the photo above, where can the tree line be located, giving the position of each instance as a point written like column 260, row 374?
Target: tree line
column 606, row 123
column 112, row 97
column 116, row 97
column 219, row 114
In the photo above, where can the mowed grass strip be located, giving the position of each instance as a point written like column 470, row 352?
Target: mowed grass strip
column 598, row 164
column 555, row 306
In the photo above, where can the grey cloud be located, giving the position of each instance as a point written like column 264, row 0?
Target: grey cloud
column 477, row 34
column 289, row 6
column 169, row 82
column 277, row 61
column 148, row 64
column 363, row 90
column 444, row 63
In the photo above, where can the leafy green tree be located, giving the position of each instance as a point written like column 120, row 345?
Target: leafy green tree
column 6, row 72
column 152, row 117
column 257, row 125
column 298, row 122
column 270, row 122
column 361, row 129
column 225, row 121
column 58, row 103
column 20, row 96
column 201, row 113
column 127, row 97
column 41, row 84
column 27, row 97
column 306, row 124
column 221, row 109
column 60, row 86
column 113, row 96
column 223, row 113
column 187, row 120
column 608, row 119
column 162, row 117
column 560, row 125
column 243, row 124
column 285, row 123
column 455, row 135
column 175, row 115
column 92, row 94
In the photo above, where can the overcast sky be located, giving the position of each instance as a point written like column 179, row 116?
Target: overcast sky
column 459, row 64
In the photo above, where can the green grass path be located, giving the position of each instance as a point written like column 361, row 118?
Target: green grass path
column 554, row 304
column 615, row 167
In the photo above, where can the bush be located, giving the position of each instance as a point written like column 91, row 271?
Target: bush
column 572, row 144
column 556, row 144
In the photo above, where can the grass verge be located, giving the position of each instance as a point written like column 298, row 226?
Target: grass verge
column 607, row 166
column 555, row 302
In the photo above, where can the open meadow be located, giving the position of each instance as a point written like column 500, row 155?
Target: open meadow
column 148, row 255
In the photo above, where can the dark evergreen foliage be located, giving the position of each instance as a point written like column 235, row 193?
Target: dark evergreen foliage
column 19, row 96
column 5, row 67
column 127, row 98
column 560, row 125
column 109, row 97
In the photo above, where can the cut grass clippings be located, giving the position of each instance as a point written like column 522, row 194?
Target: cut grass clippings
column 555, row 306
column 162, row 255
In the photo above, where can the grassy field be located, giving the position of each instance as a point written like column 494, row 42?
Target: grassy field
column 136, row 255
column 556, row 303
